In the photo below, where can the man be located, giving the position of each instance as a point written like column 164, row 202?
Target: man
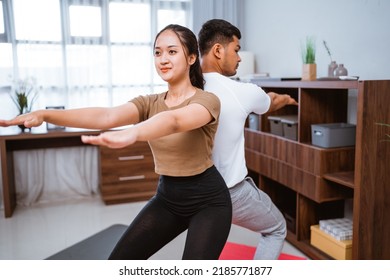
column 252, row 208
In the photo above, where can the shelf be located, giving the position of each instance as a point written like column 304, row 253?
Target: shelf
column 343, row 178
column 309, row 84
column 320, row 180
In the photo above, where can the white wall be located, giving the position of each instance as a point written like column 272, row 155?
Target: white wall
column 357, row 32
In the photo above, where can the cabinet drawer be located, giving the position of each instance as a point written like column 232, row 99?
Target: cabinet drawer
column 127, row 161
column 126, row 168
column 137, row 151
column 132, row 163
column 127, row 174
column 129, row 191
column 129, row 187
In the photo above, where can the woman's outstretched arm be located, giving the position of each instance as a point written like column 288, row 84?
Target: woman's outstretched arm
column 90, row 118
column 165, row 123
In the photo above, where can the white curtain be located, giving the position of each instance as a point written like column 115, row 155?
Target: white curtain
column 48, row 175
column 230, row 10
column 51, row 175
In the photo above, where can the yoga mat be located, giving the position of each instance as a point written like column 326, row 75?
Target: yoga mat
column 234, row 251
column 96, row 247
column 100, row 245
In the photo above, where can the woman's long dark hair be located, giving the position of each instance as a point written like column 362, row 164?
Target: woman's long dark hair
column 188, row 40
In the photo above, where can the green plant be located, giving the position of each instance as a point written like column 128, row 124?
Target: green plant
column 24, row 94
column 309, row 51
column 328, row 50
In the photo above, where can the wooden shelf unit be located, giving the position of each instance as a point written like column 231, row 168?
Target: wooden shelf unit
column 310, row 183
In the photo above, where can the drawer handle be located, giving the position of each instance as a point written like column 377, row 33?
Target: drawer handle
column 132, row 157
column 132, row 178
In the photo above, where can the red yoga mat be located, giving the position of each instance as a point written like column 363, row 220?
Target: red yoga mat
column 234, row 251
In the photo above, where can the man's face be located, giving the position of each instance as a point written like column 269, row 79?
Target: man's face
column 230, row 58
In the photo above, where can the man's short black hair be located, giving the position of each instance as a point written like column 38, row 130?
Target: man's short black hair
column 216, row 31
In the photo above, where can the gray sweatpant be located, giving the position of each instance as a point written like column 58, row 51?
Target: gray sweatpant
column 253, row 209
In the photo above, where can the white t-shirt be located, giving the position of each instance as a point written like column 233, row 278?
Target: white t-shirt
column 238, row 100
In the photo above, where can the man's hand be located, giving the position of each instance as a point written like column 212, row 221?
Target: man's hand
column 280, row 100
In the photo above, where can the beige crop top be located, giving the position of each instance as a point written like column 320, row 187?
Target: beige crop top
column 185, row 153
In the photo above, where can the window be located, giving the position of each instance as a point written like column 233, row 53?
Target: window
column 85, row 52
column 131, row 38
column 2, row 29
column 37, row 20
column 85, row 21
column 125, row 25
column 167, row 16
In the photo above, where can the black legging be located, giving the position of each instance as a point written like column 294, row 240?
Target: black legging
column 199, row 203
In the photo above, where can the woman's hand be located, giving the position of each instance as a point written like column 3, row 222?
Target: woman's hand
column 112, row 139
column 32, row 119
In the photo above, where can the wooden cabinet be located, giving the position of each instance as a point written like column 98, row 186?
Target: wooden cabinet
column 310, row 183
column 127, row 174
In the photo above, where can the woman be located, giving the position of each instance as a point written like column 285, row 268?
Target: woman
column 180, row 125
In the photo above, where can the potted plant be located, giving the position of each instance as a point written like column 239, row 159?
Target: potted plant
column 23, row 94
column 309, row 69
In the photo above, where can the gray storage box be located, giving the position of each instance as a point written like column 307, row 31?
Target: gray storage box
column 333, row 135
column 290, row 126
column 253, row 121
column 276, row 125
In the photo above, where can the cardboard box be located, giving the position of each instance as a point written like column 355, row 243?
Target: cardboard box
column 333, row 135
column 290, row 126
column 276, row 125
column 339, row 250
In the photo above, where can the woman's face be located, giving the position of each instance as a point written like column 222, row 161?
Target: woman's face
column 171, row 62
